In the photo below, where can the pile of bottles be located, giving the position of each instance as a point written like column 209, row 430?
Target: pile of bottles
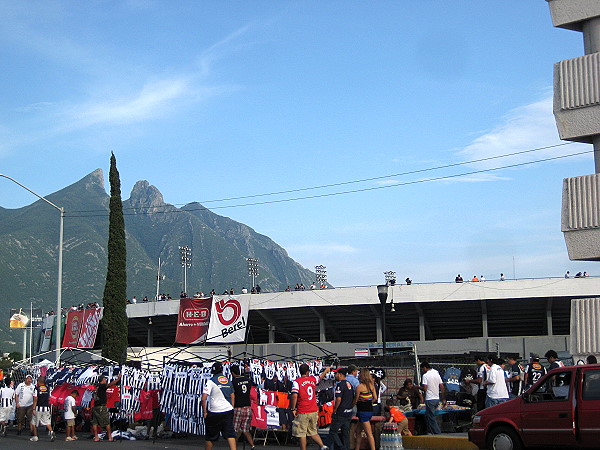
column 390, row 438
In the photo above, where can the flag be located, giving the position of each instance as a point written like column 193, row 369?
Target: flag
column 228, row 319
column 193, row 319
column 89, row 327
column 73, row 328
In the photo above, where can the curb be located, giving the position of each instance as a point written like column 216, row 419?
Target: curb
column 438, row 442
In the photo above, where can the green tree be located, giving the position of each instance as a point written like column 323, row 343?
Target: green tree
column 114, row 323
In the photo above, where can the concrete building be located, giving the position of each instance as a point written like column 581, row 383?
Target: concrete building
column 577, row 113
column 519, row 316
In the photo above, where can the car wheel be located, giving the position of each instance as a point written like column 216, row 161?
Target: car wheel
column 504, row 438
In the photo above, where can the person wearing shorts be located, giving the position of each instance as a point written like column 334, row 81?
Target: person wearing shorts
column 305, row 408
column 100, row 417
column 69, row 416
column 42, row 411
column 7, row 403
column 218, row 399
column 242, row 411
column 24, row 401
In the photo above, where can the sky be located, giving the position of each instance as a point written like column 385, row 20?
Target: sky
column 324, row 123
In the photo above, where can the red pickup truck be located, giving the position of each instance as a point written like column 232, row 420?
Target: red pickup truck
column 561, row 410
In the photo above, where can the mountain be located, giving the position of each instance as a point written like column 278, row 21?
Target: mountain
column 155, row 229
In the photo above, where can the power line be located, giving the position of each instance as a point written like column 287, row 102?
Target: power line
column 331, row 194
column 343, row 183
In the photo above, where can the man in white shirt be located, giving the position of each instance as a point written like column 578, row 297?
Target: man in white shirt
column 497, row 391
column 24, row 400
column 433, row 386
column 218, row 398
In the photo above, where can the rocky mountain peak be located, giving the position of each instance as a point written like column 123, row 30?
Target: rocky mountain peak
column 145, row 194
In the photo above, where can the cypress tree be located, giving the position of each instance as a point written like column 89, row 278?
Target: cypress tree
column 114, row 323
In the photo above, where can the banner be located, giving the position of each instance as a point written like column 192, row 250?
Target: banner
column 193, row 319
column 228, row 319
column 47, row 327
column 89, row 327
column 73, row 328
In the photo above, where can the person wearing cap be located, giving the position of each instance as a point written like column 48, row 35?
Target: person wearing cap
column 24, row 401
column 534, row 371
column 342, row 411
column 218, row 398
column 553, row 359
column 304, row 406
column 100, row 417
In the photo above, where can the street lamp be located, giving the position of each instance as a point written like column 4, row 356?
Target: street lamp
column 382, row 293
column 60, row 263
column 252, row 269
column 186, row 262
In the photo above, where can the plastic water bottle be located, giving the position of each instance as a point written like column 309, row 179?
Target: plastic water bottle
column 398, row 442
column 385, row 441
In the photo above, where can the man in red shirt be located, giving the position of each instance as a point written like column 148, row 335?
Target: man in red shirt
column 304, row 406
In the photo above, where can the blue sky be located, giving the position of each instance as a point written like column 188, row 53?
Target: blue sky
column 211, row 100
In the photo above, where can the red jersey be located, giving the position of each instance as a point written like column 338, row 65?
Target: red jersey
column 306, row 389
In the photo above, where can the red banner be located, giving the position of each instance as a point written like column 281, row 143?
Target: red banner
column 193, row 320
column 72, row 328
column 89, row 328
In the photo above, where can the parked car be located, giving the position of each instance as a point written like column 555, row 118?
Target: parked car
column 561, row 410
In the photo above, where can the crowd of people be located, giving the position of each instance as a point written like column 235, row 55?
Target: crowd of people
column 28, row 405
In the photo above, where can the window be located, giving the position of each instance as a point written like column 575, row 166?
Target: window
column 591, row 385
column 555, row 388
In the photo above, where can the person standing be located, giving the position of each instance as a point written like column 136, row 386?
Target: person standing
column 242, row 409
column 303, row 404
column 534, row 371
column 70, row 413
column 482, row 374
column 553, row 359
column 432, row 384
column 497, row 392
column 42, row 410
column 515, row 380
column 100, row 417
column 364, row 398
column 7, row 402
column 24, row 402
column 218, row 399
column 352, row 376
column 342, row 411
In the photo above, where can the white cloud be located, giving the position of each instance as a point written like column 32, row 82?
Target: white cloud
column 151, row 100
column 527, row 127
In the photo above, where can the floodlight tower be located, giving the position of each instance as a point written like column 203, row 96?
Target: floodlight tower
column 577, row 114
column 252, row 269
column 186, row 262
column 321, row 275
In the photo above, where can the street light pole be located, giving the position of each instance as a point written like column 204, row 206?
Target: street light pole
column 60, row 264
column 382, row 293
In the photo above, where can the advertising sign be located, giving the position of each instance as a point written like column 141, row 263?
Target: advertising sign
column 47, row 327
column 228, row 319
column 21, row 318
column 89, row 327
column 73, row 328
column 193, row 320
